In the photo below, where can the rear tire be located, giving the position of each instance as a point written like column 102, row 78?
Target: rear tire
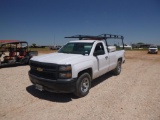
column 117, row 70
column 83, row 85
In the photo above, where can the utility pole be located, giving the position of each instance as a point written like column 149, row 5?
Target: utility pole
column 54, row 40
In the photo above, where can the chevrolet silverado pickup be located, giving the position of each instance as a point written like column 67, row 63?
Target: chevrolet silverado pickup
column 76, row 64
column 153, row 49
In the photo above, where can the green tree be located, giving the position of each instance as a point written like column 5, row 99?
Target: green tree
column 34, row 45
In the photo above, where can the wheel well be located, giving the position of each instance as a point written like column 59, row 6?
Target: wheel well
column 120, row 59
column 89, row 70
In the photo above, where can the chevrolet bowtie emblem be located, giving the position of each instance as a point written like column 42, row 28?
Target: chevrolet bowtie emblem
column 39, row 69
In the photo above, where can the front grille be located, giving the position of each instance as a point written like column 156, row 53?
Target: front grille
column 47, row 75
column 49, row 66
column 152, row 50
column 49, row 70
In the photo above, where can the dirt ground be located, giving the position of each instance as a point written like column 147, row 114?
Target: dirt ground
column 132, row 95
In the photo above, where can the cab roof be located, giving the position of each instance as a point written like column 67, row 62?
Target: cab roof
column 81, row 41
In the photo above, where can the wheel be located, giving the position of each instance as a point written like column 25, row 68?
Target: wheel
column 83, row 85
column 117, row 70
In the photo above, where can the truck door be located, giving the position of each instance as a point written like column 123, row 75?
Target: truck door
column 102, row 59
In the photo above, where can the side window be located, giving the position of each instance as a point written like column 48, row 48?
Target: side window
column 99, row 49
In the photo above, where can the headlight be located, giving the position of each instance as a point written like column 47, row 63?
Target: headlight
column 65, row 68
column 65, row 71
column 65, row 75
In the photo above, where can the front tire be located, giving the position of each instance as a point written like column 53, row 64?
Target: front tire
column 83, row 85
column 118, row 68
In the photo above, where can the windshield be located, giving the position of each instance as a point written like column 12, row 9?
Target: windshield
column 76, row 48
column 3, row 47
column 153, row 47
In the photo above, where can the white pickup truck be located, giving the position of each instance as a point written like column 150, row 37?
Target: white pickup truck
column 75, row 65
column 153, row 49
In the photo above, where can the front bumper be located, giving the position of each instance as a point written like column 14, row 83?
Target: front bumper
column 153, row 51
column 57, row 86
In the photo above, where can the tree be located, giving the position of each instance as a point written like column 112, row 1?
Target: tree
column 34, row 45
column 140, row 43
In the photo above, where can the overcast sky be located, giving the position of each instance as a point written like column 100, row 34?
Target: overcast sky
column 47, row 22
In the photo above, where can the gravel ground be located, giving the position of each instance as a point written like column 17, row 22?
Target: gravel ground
column 132, row 95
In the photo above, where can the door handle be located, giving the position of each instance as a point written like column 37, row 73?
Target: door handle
column 106, row 57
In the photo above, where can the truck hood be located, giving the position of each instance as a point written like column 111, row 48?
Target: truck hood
column 61, row 58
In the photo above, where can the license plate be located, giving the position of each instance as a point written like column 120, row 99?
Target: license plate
column 39, row 87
